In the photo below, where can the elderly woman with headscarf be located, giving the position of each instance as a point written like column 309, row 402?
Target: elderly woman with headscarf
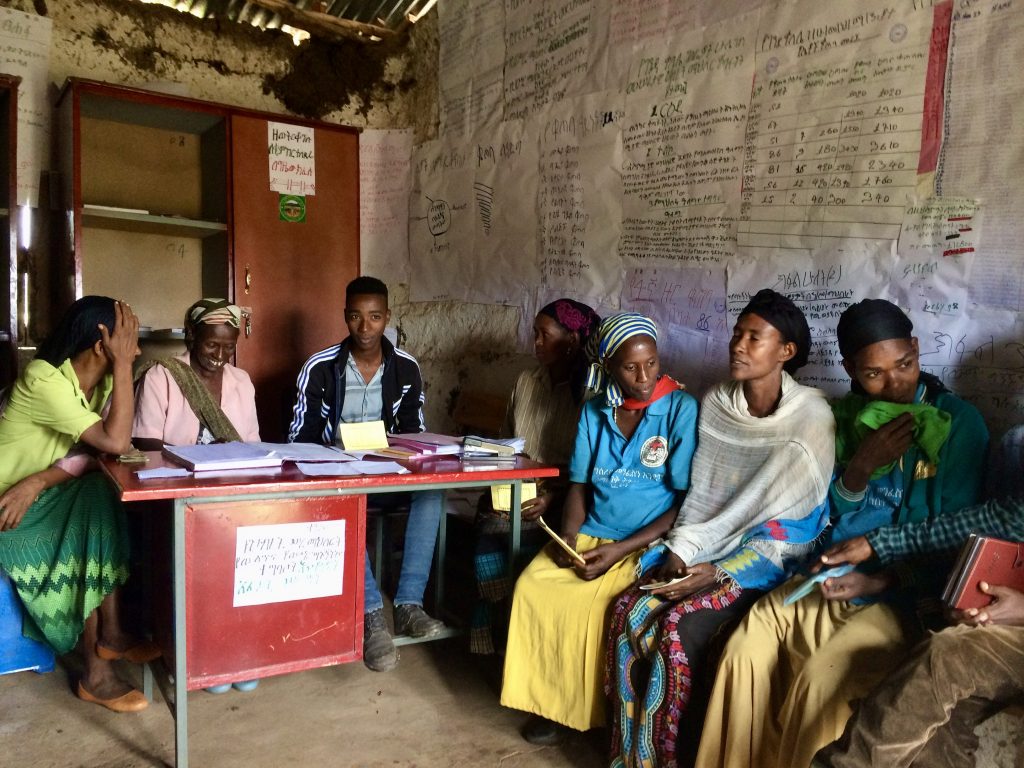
column 544, row 410
column 755, row 508
column 907, row 450
column 198, row 397
column 629, row 470
column 64, row 539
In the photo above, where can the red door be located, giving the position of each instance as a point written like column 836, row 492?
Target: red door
column 292, row 274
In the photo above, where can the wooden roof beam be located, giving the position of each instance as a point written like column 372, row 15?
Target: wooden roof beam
column 324, row 24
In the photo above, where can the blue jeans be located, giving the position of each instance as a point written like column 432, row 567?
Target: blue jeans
column 425, row 511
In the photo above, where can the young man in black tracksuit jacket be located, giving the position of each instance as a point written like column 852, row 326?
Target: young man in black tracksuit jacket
column 365, row 378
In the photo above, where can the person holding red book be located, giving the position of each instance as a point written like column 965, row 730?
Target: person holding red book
column 926, row 713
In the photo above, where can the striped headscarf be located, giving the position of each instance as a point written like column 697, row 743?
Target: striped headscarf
column 213, row 312
column 613, row 332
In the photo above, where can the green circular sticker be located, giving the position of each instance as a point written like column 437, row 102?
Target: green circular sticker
column 292, row 208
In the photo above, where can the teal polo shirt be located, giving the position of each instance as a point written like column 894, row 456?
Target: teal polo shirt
column 634, row 481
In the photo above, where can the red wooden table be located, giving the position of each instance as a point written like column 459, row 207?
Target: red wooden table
column 267, row 567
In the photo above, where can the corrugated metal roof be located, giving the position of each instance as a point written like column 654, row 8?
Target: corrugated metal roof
column 366, row 20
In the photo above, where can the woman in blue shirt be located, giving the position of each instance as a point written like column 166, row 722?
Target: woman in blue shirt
column 629, row 470
column 755, row 508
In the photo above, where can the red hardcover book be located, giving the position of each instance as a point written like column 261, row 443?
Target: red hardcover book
column 994, row 561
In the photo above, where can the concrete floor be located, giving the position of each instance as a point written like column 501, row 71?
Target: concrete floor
column 438, row 708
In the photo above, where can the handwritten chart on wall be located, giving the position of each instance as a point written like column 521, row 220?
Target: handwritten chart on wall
column 505, row 208
column 25, row 52
column 791, row 147
column 635, row 24
column 470, row 64
column 686, row 112
column 384, row 158
column 553, row 48
column 579, row 202
column 935, row 254
column 987, row 47
column 441, row 222
column 834, row 130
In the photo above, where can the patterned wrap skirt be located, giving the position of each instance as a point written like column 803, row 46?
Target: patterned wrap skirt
column 68, row 553
column 661, row 665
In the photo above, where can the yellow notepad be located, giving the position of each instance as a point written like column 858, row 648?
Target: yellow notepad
column 363, row 436
column 501, row 496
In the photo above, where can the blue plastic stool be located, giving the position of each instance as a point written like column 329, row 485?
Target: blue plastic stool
column 17, row 652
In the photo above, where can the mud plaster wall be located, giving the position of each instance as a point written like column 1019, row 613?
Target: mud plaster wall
column 458, row 345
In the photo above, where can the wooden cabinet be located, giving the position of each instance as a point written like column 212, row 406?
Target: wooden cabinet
column 168, row 200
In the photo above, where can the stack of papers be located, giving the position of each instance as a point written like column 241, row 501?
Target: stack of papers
column 493, row 447
column 221, row 456
column 349, row 468
column 304, row 451
column 426, row 443
column 159, row 473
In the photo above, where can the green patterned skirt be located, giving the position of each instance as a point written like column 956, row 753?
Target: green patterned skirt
column 69, row 552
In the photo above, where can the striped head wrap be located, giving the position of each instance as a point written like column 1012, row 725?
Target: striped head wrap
column 613, row 332
column 213, row 312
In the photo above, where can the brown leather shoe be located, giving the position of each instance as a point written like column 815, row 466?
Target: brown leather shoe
column 139, row 653
column 133, row 701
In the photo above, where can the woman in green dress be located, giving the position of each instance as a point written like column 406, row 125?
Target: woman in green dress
column 63, row 539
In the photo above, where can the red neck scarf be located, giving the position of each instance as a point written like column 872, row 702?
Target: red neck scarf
column 666, row 385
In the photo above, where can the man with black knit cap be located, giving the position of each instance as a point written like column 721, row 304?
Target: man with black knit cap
column 906, row 450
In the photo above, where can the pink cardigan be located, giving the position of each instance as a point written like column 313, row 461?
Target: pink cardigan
column 163, row 413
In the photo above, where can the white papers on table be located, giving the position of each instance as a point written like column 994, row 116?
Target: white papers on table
column 379, row 467
column 350, row 468
column 238, row 472
column 219, row 456
column 161, row 472
column 305, row 451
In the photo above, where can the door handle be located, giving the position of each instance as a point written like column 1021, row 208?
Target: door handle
column 247, row 319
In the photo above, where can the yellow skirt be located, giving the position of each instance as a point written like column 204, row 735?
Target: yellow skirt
column 555, row 660
column 788, row 675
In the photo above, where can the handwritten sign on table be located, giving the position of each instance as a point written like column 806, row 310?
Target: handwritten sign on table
column 289, row 561
column 292, row 159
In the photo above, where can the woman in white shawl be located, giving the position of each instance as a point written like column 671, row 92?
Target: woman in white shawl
column 756, row 505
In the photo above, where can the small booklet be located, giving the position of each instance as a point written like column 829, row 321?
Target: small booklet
column 814, row 580
column 501, row 496
column 983, row 558
column 220, row 456
column 560, row 541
